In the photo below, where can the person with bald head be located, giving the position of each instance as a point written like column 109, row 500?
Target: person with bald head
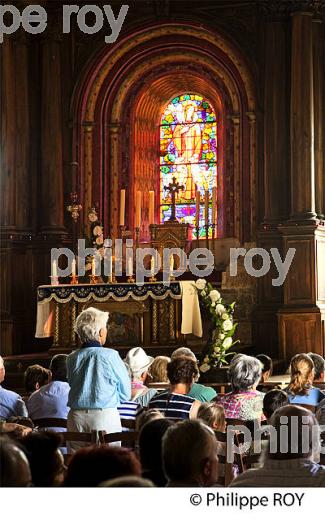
column 290, row 457
column 11, row 404
column 14, row 467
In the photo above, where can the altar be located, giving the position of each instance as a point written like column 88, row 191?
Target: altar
column 152, row 314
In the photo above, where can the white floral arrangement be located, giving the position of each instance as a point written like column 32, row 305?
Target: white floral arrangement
column 96, row 238
column 224, row 327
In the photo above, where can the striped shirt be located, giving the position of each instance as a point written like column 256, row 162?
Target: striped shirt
column 129, row 410
column 173, row 406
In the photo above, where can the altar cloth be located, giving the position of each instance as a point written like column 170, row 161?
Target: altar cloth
column 47, row 295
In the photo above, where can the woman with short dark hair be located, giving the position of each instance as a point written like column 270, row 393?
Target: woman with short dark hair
column 175, row 404
column 45, row 458
column 35, row 376
column 150, row 450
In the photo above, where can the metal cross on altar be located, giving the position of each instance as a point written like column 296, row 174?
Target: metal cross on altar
column 174, row 188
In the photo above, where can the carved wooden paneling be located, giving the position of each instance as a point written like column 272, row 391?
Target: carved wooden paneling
column 269, row 294
column 320, row 265
column 265, row 332
column 300, row 282
column 5, row 299
column 301, row 332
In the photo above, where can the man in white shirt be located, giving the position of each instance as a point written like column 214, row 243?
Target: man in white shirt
column 289, row 460
column 51, row 400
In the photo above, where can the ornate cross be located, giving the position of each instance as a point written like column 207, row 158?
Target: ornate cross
column 174, row 188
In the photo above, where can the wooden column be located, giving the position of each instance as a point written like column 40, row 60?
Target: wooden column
column 22, row 137
column 276, row 175
column 114, row 132
column 276, row 124
column 302, row 119
column 8, row 135
column 252, row 170
column 236, row 127
column 51, row 172
column 302, row 317
column 88, row 128
column 319, row 115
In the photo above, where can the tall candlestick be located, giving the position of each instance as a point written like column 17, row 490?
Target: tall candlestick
column 93, row 267
column 152, row 266
column 214, row 206
column 206, row 208
column 122, row 208
column 197, row 210
column 138, row 201
column 73, row 267
column 54, row 269
column 151, row 207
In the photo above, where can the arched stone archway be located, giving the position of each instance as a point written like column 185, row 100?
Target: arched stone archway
column 116, row 111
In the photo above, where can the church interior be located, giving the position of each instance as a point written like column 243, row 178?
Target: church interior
column 201, row 127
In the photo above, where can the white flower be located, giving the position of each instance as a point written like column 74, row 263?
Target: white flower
column 92, row 215
column 220, row 309
column 216, row 349
column 214, row 295
column 225, row 316
column 213, row 304
column 205, row 367
column 203, row 293
column 98, row 231
column 221, row 336
column 200, row 284
column 227, row 325
column 227, row 342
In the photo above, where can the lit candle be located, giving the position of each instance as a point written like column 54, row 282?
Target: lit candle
column 138, row 201
column 214, row 205
column 130, row 267
column 110, row 269
column 151, row 207
column 54, row 269
column 171, row 263
column 198, row 205
column 93, row 267
column 206, row 208
column 152, row 266
column 73, row 268
column 122, row 208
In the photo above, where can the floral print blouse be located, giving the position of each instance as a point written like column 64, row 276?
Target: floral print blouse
column 247, row 406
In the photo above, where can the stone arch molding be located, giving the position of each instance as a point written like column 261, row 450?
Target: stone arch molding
column 123, row 89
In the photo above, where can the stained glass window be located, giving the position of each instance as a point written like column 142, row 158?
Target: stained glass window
column 188, row 152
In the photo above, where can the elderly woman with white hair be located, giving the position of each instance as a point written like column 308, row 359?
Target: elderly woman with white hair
column 97, row 376
column 244, row 401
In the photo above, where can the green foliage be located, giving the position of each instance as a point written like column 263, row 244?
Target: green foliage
column 223, row 324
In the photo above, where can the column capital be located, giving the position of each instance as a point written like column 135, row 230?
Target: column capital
column 251, row 117
column 278, row 10
column 235, row 118
column 88, row 126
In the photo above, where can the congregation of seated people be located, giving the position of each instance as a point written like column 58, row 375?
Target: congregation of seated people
column 152, row 422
